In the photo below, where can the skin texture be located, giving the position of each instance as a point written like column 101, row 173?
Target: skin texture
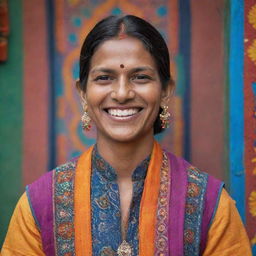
column 123, row 76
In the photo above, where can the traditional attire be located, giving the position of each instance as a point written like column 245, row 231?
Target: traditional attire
column 175, row 210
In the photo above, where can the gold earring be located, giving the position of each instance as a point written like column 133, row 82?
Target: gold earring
column 165, row 117
column 86, row 120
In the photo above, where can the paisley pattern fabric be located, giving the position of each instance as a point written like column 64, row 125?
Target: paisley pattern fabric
column 161, row 240
column 105, row 202
column 64, row 209
column 197, row 182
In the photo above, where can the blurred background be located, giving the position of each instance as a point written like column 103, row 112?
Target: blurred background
column 213, row 62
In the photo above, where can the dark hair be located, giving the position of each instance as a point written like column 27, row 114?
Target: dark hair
column 132, row 26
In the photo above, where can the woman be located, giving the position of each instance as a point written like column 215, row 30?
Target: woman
column 125, row 195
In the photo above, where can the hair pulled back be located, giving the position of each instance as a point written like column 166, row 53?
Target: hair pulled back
column 133, row 26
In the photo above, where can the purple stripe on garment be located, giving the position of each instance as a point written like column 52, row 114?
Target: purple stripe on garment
column 213, row 191
column 177, row 204
column 40, row 196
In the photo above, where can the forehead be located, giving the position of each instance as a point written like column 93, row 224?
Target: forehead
column 128, row 51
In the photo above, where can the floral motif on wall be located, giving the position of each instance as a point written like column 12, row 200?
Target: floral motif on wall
column 252, row 16
column 252, row 51
column 252, row 203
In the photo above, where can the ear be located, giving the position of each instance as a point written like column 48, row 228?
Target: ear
column 167, row 93
column 81, row 93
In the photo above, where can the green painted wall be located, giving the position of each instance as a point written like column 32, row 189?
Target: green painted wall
column 11, row 115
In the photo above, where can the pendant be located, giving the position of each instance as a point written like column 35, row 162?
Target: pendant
column 124, row 249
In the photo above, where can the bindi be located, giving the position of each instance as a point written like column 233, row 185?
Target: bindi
column 121, row 65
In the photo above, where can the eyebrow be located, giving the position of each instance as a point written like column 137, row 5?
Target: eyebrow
column 143, row 68
column 104, row 70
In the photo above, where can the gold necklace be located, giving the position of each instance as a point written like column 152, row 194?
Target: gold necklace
column 124, row 249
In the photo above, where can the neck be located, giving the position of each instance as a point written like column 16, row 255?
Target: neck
column 124, row 157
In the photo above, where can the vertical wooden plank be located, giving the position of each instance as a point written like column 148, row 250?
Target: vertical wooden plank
column 236, row 105
column 184, row 70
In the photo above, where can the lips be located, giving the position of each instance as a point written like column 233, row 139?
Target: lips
column 122, row 112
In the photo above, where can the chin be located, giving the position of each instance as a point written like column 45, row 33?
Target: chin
column 126, row 136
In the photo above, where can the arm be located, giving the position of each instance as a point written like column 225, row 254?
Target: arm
column 227, row 235
column 23, row 237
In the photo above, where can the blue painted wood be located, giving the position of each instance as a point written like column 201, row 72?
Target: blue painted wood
column 184, row 69
column 52, row 108
column 236, row 105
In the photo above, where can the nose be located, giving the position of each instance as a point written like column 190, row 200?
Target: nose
column 122, row 91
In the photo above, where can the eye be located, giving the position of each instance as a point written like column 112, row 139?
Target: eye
column 141, row 78
column 103, row 79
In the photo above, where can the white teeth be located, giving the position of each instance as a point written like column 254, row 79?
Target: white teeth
column 123, row 112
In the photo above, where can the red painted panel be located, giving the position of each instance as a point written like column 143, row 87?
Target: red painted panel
column 207, row 86
column 36, row 90
column 250, row 116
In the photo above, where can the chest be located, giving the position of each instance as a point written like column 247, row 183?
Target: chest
column 115, row 214
column 182, row 200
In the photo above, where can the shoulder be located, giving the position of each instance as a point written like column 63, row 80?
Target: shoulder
column 227, row 235
column 23, row 236
column 41, row 191
column 181, row 166
column 45, row 180
column 200, row 192
column 196, row 179
column 199, row 184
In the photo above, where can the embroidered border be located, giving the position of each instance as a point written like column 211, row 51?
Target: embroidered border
column 197, row 183
column 161, row 241
column 64, row 209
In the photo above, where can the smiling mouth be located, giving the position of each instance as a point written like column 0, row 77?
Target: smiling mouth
column 123, row 112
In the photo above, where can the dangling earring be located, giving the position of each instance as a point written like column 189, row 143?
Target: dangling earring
column 86, row 120
column 165, row 117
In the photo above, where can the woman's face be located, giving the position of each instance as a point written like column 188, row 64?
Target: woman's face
column 123, row 92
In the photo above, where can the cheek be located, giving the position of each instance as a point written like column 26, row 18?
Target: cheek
column 152, row 96
column 155, row 100
column 95, row 95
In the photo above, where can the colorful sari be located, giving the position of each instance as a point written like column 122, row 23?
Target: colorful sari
column 177, row 207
